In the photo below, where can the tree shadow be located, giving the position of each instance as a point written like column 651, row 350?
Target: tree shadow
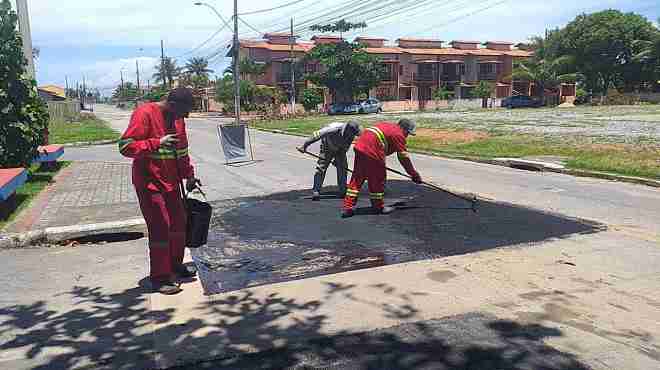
column 246, row 331
column 285, row 236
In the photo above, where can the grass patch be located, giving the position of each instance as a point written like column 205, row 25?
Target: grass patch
column 85, row 128
column 38, row 179
column 640, row 159
column 623, row 159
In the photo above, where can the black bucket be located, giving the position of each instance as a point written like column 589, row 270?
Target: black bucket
column 199, row 219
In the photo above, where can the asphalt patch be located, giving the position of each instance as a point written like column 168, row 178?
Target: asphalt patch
column 281, row 237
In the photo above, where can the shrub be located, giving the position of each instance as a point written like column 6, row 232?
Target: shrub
column 24, row 116
column 311, row 98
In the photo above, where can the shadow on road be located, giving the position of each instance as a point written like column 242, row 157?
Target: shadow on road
column 285, row 236
column 244, row 331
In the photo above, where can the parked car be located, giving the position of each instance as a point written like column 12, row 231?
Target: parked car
column 362, row 106
column 343, row 108
column 370, row 106
column 521, row 101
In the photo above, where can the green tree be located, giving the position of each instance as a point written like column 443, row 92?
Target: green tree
column 601, row 46
column 348, row 70
column 248, row 67
column 199, row 67
column 340, row 26
column 127, row 92
column 167, row 71
column 311, row 98
column 545, row 73
column 23, row 116
column 483, row 90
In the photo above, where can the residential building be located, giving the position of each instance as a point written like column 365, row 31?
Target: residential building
column 415, row 67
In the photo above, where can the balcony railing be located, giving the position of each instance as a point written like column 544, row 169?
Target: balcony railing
column 424, row 77
column 487, row 76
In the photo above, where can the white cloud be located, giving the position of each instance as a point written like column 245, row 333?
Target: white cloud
column 106, row 74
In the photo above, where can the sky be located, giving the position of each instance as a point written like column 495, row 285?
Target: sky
column 101, row 40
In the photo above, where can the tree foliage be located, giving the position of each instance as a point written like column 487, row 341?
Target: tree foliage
column 253, row 97
column 199, row 67
column 311, row 98
column 347, row 70
column 23, row 116
column 603, row 47
column 126, row 92
column 167, row 71
column 340, row 26
column 483, row 90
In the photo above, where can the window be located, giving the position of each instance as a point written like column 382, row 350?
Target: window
column 462, row 69
column 401, row 69
column 486, row 68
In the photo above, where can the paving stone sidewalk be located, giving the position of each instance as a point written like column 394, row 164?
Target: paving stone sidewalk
column 83, row 193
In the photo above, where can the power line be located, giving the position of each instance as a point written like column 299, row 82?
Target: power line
column 249, row 26
column 273, row 8
column 198, row 47
column 461, row 17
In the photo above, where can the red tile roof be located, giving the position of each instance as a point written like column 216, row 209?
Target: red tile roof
column 418, row 40
column 299, row 46
column 465, row 42
column 383, row 50
column 442, row 51
column 498, row 42
column 326, row 37
column 371, row 38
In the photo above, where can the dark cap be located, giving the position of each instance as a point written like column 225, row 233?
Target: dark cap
column 180, row 96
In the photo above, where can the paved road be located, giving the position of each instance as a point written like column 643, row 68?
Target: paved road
column 585, row 288
column 633, row 208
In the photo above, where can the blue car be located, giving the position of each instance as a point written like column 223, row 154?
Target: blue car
column 521, row 101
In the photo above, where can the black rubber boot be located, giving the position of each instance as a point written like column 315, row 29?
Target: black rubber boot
column 183, row 272
column 347, row 213
column 166, row 288
column 385, row 210
column 316, row 196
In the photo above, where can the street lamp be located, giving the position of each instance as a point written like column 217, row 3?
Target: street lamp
column 236, row 46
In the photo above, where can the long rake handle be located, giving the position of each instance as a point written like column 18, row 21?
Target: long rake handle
column 472, row 200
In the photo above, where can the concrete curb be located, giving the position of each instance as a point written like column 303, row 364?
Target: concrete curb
column 89, row 143
column 53, row 235
column 513, row 163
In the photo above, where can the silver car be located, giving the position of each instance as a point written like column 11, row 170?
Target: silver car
column 370, row 106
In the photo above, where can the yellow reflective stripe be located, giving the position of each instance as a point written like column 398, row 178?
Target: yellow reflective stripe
column 380, row 135
column 124, row 143
column 403, row 155
column 165, row 153
column 317, row 135
column 376, row 195
column 352, row 193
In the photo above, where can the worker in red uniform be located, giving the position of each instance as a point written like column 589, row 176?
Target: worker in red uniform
column 371, row 149
column 156, row 140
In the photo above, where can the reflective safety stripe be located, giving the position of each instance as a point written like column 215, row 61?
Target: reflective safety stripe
column 376, row 195
column 380, row 135
column 317, row 135
column 403, row 155
column 352, row 193
column 164, row 153
column 124, row 143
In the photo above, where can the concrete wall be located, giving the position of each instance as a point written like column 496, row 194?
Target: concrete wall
column 647, row 97
column 21, row 8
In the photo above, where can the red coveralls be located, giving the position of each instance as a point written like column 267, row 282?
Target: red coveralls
column 371, row 149
column 156, row 182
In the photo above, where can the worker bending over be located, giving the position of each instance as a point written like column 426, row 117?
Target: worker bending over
column 335, row 138
column 371, row 149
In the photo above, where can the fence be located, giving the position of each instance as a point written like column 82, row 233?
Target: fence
column 63, row 109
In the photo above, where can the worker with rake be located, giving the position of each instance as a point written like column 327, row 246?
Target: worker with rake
column 335, row 138
column 371, row 149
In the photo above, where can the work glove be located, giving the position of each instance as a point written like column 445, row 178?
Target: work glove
column 416, row 178
column 192, row 184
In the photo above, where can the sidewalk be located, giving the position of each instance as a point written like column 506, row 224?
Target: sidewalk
column 83, row 193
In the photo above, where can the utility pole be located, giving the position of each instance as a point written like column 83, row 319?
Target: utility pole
column 162, row 64
column 121, row 88
column 293, row 70
column 237, row 78
column 137, row 72
column 66, row 84
column 84, row 92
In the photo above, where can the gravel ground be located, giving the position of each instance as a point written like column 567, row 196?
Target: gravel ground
column 616, row 124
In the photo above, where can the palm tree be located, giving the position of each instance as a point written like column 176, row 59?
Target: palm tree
column 248, row 68
column 198, row 67
column 171, row 71
column 649, row 54
column 544, row 73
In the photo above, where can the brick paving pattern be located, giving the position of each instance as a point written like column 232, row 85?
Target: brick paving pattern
column 88, row 192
